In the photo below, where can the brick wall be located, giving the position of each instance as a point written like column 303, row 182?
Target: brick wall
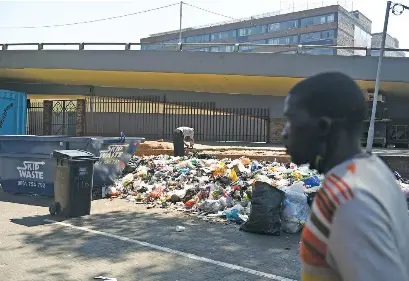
column 276, row 127
column 345, row 23
column 80, row 122
column 47, row 117
column 344, row 39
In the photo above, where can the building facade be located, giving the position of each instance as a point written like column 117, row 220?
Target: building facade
column 331, row 25
column 390, row 42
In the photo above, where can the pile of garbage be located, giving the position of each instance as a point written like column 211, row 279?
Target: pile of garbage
column 219, row 188
column 404, row 184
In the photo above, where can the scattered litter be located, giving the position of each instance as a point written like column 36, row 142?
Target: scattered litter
column 180, row 228
column 263, row 196
column 218, row 190
column 105, row 278
column 404, row 184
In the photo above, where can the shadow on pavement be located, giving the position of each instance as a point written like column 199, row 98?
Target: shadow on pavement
column 26, row 199
column 106, row 255
column 35, row 220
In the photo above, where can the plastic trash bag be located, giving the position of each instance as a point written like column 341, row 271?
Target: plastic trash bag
column 235, row 214
column 312, row 181
column 212, row 206
column 127, row 179
column 296, row 209
column 266, row 208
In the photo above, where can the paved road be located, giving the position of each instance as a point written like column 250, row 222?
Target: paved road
column 109, row 243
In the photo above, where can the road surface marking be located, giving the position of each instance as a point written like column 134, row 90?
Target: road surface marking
column 175, row 252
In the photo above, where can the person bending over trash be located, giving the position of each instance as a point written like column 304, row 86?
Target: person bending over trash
column 182, row 136
column 359, row 224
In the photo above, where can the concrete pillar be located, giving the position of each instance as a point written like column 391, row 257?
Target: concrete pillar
column 47, row 117
column 276, row 127
column 80, row 122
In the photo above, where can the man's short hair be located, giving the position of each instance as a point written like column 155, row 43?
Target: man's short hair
column 334, row 95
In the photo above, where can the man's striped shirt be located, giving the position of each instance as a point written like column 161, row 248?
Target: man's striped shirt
column 358, row 228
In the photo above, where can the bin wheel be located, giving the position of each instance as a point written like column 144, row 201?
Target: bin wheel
column 52, row 210
column 58, row 208
column 55, row 209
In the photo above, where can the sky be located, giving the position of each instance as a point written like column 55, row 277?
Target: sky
column 17, row 13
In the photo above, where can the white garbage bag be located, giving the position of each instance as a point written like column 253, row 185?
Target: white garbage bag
column 296, row 209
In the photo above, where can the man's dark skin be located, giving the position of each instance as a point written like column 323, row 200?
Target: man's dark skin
column 306, row 136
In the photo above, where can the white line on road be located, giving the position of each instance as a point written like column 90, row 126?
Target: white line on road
column 175, row 252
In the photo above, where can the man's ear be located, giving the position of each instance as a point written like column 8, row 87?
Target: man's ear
column 324, row 126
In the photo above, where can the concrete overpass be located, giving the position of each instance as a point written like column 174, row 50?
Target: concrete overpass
column 74, row 71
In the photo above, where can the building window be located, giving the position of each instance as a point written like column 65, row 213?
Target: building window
column 361, row 39
column 222, row 49
column 200, row 50
column 249, row 48
column 223, row 35
column 327, row 34
column 331, row 18
column 242, row 32
column 248, row 31
column 274, row 27
column 171, row 41
column 320, row 51
column 317, row 36
column 278, row 26
column 289, row 40
column 190, row 39
column 202, row 38
column 229, row 48
column 317, row 20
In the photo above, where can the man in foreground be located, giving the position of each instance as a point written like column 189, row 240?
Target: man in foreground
column 358, row 229
column 181, row 137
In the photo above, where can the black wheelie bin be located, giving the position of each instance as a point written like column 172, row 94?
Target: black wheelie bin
column 73, row 181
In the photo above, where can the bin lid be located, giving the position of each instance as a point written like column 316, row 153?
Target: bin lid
column 72, row 154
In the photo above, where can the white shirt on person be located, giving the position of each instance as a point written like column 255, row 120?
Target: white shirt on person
column 188, row 132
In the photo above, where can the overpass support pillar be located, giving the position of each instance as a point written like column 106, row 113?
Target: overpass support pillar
column 80, row 126
column 275, row 129
column 47, row 117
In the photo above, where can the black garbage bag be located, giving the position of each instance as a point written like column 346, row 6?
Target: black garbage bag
column 310, row 197
column 132, row 165
column 203, row 156
column 400, row 178
column 266, row 207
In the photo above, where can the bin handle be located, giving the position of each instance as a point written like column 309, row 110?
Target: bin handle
column 122, row 137
column 83, row 158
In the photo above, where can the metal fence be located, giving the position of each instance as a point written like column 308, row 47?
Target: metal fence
column 35, row 112
column 229, row 47
column 153, row 118
column 63, row 118
column 399, row 134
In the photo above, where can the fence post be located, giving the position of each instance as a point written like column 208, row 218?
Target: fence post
column 368, row 52
column 47, row 117
column 80, row 118
column 269, row 127
column 276, row 128
column 164, row 117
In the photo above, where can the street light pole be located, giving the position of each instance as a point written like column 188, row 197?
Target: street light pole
column 397, row 9
column 180, row 22
column 371, row 131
